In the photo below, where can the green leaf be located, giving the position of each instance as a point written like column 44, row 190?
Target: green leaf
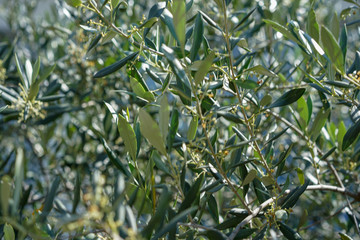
column 335, row 25
column 192, row 128
column 293, row 196
column 213, row 234
column 198, row 37
column 260, row 235
column 149, row 23
column 231, row 222
column 167, row 18
column 114, row 3
column 179, row 13
column 262, row 71
column 301, row 176
column 173, row 222
column 244, row 19
column 36, row 70
column 154, row 76
column 115, row 66
column 76, row 192
column 213, row 208
column 21, row 75
column 159, row 215
column 182, row 81
column 9, row 233
column 319, row 123
column 74, row 3
column 112, row 111
column 303, row 112
column 343, row 41
column 313, row 26
column 340, row 134
column 261, row 191
column 192, row 193
column 174, row 124
column 288, row 232
column 249, row 177
column 140, row 91
column 128, row 135
column 5, row 194
column 288, row 98
column 210, row 21
column 19, row 177
column 151, row 131
column 204, row 68
column 164, row 116
column 114, row 159
column 246, row 84
column 332, row 49
column 245, row 233
column 351, row 135
column 283, row 30
column 94, row 42
column 48, row 204
column 266, row 100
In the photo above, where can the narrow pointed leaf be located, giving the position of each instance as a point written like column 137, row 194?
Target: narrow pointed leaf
column 174, row 124
column 193, row 192
column 164, row 117
column 293, row 196
column 261, row 70
column 244, row 19
column 21, row 75
column 288, row 98
column 204, row 68
column 288, row 232
column 210, row 21
column 164, row 201
column 140, row 91
column 114, row 159
column 48, row 204
column 319, row 123
column 151, row 131
column 173, row 223
column 167, row 18
column 179, row 13
column 351, row 135
column 112, row 111
column 198, row 37
column 283, row 30
column 249, row 177
column 115, row 66
column 312, row 26
column 128, row 135
column 36, row 70
column 332, row 49
column 182, row 81
column 192, row 128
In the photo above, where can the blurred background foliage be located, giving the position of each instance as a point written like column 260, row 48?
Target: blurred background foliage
column 69, row 172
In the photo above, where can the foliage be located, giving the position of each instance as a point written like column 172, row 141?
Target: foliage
column 179, row 120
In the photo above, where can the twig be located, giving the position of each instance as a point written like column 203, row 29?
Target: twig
column 321, row 187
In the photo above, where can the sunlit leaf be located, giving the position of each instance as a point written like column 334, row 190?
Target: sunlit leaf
column 332, row 49
column 151, row 131
column 128, row 135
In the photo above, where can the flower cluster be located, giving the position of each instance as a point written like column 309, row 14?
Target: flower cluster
column 27, row 108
